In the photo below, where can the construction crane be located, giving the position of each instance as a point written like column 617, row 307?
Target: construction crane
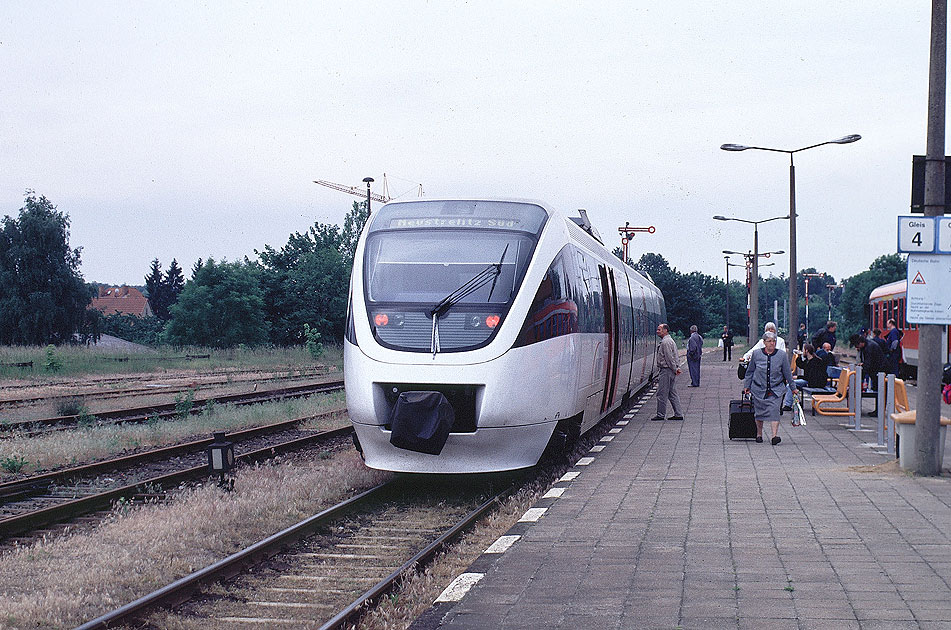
column 355, row 190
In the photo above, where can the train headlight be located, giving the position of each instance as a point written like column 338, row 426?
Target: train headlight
column 475, row 321
column 390, row 320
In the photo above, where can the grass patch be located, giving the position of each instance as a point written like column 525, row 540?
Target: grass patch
column 13, row 463
column 91, row 442
column 64, row 361
column 63, row 582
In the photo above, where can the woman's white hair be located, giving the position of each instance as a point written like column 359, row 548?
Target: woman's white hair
column 770, row 326
column 769, row 335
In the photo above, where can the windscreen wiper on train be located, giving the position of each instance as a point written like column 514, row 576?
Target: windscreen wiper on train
column 492, row 272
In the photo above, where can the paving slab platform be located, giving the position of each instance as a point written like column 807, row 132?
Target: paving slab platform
column 672, row 525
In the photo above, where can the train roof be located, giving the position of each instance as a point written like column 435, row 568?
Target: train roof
column 890, row 290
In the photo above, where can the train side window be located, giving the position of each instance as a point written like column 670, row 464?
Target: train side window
column 553, row 312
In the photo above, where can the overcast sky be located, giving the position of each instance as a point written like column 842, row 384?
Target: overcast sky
column 185, row 130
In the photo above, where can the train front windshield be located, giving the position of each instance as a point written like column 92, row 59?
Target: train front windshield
column 461, row 261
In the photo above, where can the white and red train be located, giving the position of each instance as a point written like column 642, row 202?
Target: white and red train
column 503, row 324
column 888, row 302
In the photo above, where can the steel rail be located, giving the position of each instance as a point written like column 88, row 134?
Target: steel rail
column 37, row 483
column 139, row 376
column 84, row 505
column 178, row 591
column 132, row 392
column 360, row 605
column 141, row 414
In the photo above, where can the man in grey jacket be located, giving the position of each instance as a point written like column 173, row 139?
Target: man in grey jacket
column 694, row 353
column 669, row 369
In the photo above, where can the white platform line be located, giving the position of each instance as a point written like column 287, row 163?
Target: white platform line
column 554, row 493
column 584, row 461
column 623, row 423
column 570, row 475
column 615, row 430
column 606, row 438
column 458, row 588
column 597, row 448
column 532, row 515
column 502, row 544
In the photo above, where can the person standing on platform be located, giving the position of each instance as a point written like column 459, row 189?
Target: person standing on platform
column 825, row 335
column 694, row 354
column 893, row 345
column 766, row 380
column 669, row 369
column 871, row 358
column 727, row 340
column 801, row 337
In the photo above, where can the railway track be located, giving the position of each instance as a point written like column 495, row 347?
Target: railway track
column 169, row 410
column 178, row 385
column 330, row 568
column 327, row 569
column 41, row 500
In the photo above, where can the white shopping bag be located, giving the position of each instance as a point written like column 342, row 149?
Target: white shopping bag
column 798, row 416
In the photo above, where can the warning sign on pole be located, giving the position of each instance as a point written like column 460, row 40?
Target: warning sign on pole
column 929, row 289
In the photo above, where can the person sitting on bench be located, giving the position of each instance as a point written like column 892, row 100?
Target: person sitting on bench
column 814, row 370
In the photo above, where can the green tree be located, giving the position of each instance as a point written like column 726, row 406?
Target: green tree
column 854, row 299
column 43, row 297
column 155, row 287
column 306, row 282
column 144, row 330
column 352, row 228
column 174, row 281
column 164, row 288
column 222, row 306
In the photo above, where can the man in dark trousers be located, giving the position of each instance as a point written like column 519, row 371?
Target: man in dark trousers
column 893, row 349
column 727, row 340
column 871, row 358
column 801, row 337
column 694, row 353
column 669, row 367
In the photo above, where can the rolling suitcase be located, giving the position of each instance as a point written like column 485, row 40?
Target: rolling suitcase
column 742, row 425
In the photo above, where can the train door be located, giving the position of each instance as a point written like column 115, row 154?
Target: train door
column 611, row 327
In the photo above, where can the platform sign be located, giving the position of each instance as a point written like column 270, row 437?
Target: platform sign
column 916, row 235
column 929, row 289
column 944, row 234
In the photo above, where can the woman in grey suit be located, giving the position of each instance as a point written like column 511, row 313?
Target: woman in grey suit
column 766, row 379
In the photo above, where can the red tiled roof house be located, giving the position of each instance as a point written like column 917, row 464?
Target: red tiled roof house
column 125, row 300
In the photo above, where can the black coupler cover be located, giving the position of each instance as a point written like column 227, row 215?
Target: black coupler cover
column 742, row 424
column 421, row 421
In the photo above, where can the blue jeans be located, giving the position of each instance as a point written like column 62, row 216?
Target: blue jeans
column 788, row 398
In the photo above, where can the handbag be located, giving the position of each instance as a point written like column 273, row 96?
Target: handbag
column 946, row 393
column 741, row 370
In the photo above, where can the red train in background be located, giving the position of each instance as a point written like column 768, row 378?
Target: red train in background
column 888, row 302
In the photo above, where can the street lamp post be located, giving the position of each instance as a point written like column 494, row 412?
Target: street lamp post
column 754, row 285
column 369, row 180
column 728, row 265
column 793, row 286
column 807, row 276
